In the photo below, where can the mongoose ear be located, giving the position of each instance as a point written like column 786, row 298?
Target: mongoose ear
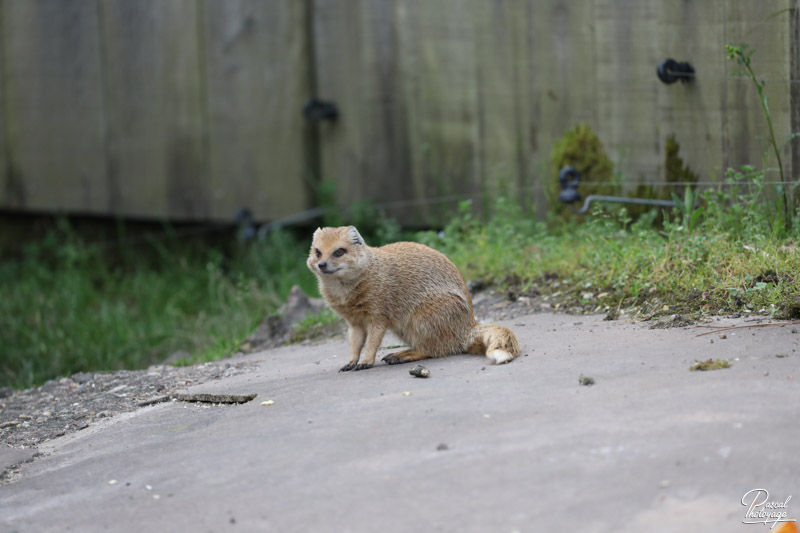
column 355, row 236
column 317, row 232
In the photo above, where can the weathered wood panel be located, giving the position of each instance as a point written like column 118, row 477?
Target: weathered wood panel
column 626, row 54
column 156, row 107
column 358, row 66
column 190, row 109
column 562, row 72
column 7, row 196
column 433, row 96
column 257, row 85
column 765, row 26
column 503, row 86
column 693, row 112
column 441, row 92
column 53, row 120
column 794, row 90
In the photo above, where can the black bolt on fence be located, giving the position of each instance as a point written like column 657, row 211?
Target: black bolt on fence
column 669, row 71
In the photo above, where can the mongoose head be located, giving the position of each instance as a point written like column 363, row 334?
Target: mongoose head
column 338, row 253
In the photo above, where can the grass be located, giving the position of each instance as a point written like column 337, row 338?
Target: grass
column 70, row 306
column 729, row 260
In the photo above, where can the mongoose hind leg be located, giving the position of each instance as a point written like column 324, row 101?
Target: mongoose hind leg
column 406, row 356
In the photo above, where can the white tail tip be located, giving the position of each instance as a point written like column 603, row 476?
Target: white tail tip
column 499, row 357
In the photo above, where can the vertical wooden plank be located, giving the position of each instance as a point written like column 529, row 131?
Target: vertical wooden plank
column 357, row 47
column 794, row 96
column 7, row 197
column 563, row 79
column 337, row 27
column 156, row 104
column 626, row 54
column 441, row 83
column 257, row 85
column 502, row 85
column 53, row 117
column 693, row 112
column 765, row 28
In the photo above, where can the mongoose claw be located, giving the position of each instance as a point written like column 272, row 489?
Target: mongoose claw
column 363, row 366
column 392, row 359
column 348, row 367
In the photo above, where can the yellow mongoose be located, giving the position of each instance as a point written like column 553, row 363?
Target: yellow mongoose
column 406, row 287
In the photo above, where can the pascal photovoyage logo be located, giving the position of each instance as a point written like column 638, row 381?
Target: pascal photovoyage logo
column 762, row 510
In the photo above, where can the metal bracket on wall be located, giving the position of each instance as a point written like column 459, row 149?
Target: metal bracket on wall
column 319, row 110
column 669, row 71
column 569, row 178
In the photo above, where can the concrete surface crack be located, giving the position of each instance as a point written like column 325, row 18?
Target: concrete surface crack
column 201, row 398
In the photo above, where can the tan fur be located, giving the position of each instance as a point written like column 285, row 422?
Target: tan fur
column 408, row 288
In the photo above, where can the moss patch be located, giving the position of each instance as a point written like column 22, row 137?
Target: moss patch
column 710, row 364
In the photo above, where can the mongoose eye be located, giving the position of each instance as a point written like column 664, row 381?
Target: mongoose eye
column 340, row 252
column 316, row 251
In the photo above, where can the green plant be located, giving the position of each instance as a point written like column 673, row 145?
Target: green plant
column 738, row 205
column 676, row 171
column 677, row 175
column 688, row 208
column 743, row 55
column 316, row 325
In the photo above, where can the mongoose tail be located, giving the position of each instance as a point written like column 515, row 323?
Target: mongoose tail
column 497, row 343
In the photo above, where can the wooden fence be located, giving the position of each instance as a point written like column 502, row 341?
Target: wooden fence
column 190, row 109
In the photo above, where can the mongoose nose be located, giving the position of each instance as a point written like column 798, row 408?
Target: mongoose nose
column 323, row 265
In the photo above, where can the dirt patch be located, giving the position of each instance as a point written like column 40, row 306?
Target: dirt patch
column 33, row 416
column 675, row 321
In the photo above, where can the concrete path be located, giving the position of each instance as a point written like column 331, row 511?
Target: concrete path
column 521, row 447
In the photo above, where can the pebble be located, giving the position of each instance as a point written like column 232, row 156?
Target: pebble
column 420, row 371
column 268, row 402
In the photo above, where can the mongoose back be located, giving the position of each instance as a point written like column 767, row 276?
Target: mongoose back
column 408, row 288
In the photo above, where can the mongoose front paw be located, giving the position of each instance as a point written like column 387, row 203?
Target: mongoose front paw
column 348, row 367
column 363, row 366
